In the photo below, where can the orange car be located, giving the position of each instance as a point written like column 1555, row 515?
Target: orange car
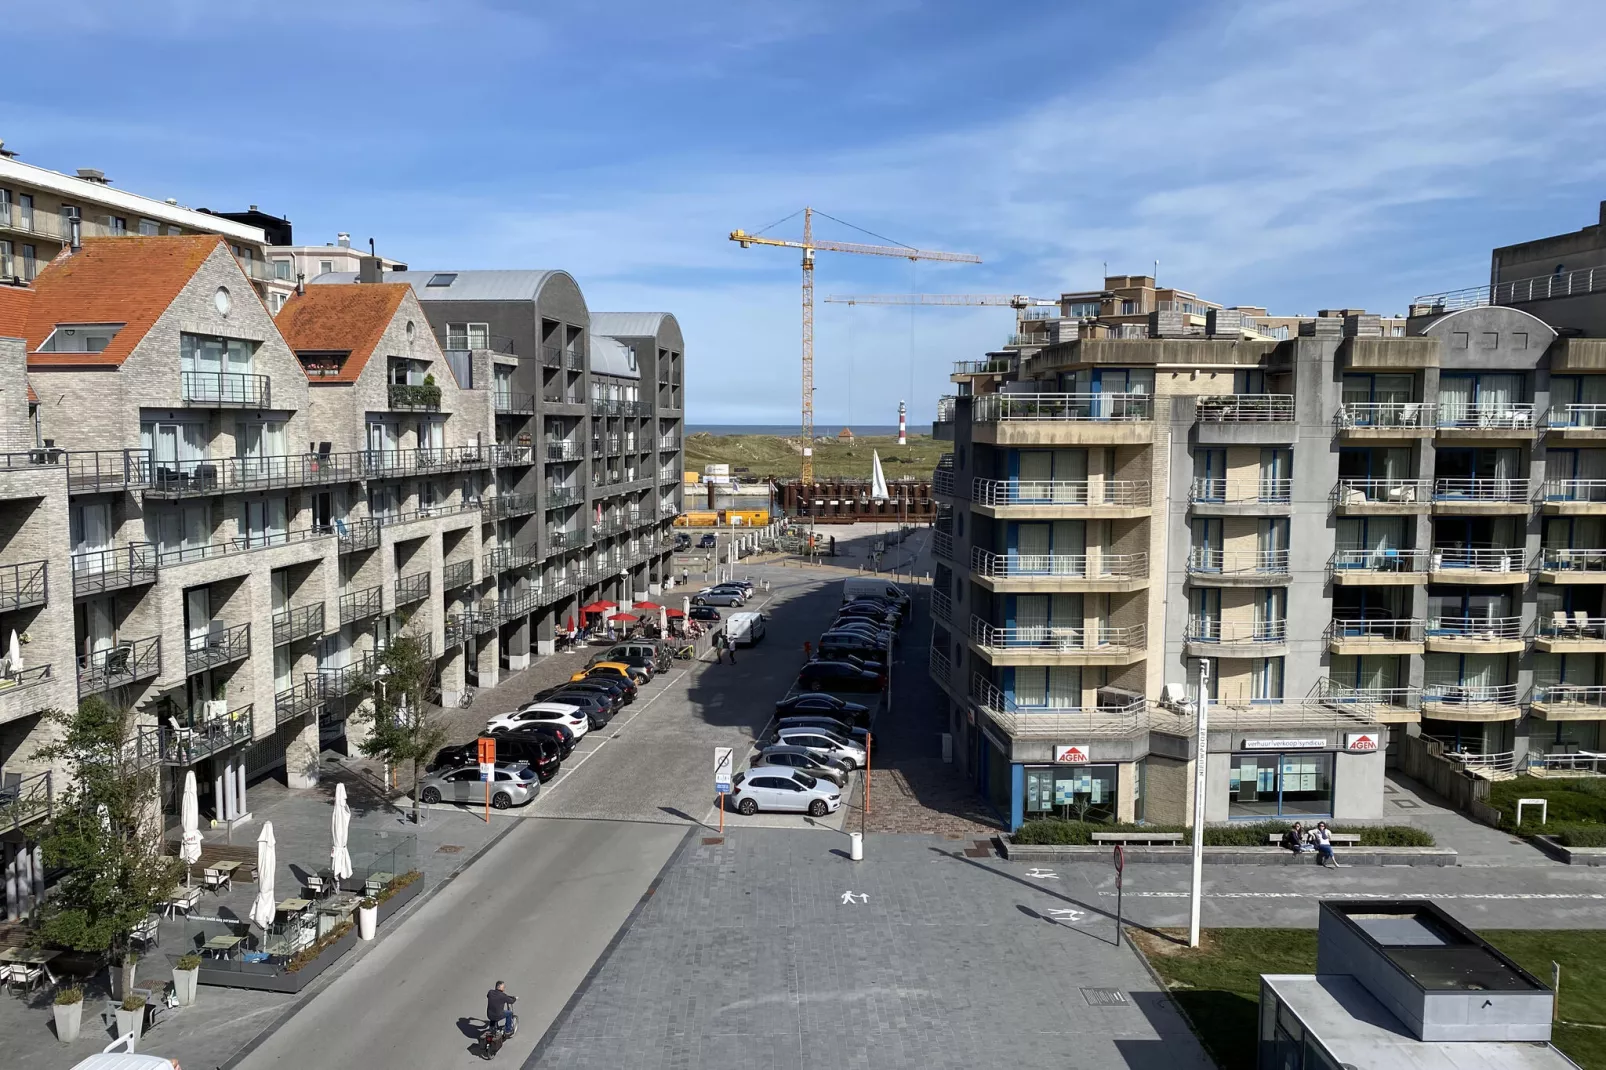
column 613, row 668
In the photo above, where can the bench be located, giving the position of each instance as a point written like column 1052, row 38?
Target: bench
column 1340, row 839
column 1136, row 837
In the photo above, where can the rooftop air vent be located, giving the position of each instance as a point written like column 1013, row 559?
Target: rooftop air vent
column 93, row 174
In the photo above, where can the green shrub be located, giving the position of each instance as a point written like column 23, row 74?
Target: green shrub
column 1044, row 832
column 133, row 1003
column 67, row 996
column 397, row 884
column 1578, row 835
column 188, row 962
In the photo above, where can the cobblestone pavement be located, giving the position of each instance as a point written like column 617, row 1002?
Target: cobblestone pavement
column 768, row 948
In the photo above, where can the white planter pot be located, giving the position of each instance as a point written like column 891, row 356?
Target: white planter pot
column 130, row 1022
column 69, row 1017
column 184, row 986
column 115, row 980
column 367, row 921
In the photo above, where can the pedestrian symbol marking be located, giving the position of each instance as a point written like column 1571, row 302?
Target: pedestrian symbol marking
column 1066, row 914
column 853, row 897
column 1042, row 874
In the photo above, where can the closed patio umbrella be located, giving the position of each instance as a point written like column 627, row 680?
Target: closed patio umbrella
column 340, row 825
column 264, row 906
column 189, row 809
column 14, row 654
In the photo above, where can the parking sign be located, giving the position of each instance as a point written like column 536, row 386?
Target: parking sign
column 486, row 769
column 723, row 758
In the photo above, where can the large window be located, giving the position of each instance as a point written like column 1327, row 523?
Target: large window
column 1270, row 784
column 1056, row 688
column 264, row 522
column 468, row 336
column 1076, row 792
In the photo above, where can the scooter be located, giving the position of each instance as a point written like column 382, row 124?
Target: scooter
column 492, row 1039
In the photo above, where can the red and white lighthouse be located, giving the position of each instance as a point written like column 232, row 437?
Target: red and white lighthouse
column 903, row 427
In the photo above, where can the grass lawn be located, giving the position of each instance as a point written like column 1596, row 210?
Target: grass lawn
column 1218, row 985
column 781, row 457
column 1577, row 807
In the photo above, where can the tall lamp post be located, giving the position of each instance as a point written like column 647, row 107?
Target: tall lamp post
column 1200, row 747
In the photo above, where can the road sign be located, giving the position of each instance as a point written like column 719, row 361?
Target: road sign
column 486, row 769
column 723, row 760
column 487, row 749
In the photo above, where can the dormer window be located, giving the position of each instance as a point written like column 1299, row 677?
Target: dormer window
column 322, row 365
column 80, row 337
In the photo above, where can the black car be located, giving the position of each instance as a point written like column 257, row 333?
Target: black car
column 541, row 753
column 682, row 541
column 705, row 613
column 867, row 628
column 838, row 676
column 598, row 708
column 863, row 657
column 814, row 703
column 708, row 541
column 611, row 687
column 571, row 693
column 558, row 733
column 869, row 613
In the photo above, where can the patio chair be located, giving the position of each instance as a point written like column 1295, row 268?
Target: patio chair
column 1559, row 623
column 215, row 880
column 148, row 932
column 26, row 974
column 1581, row 621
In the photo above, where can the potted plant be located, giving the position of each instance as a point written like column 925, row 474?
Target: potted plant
column 131, row 1018
column 185, row 971
column 367, row 917
column 69, row 1010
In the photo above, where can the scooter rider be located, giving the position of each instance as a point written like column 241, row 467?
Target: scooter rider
column 499, row 1007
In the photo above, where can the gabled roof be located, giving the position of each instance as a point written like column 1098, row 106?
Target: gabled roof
column 15, row 304
column 627, row 324
column 341, row 319
column 464, row 285
column 130, row 281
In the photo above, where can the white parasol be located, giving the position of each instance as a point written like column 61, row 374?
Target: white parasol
column 340, row 823
column 14, row 654
column 189, row 848
column 264, row 906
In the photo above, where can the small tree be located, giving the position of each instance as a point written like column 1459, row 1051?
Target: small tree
column 404, row 730
column 105, row 835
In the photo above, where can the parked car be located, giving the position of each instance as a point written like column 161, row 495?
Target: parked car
column 864, row 629
column 835, row 646
column 540, row 753
column 737, row 587
column 826, row 724
column 869, row 586
column 598, row 709
column 873, row 614
column 557, row 733
column 752, row 792
column 646, row 662
column 821, row 742
column 602, row 685
column 801, row 758
column 708, row 541
column 813, row 702
column 650, row 649
column 746, row 586
column 624, row 685
column 839, row 676
column 720, row 598
column 632, row 673
column 515, row 785
column 704, row 613
column 568, row 716
column 682, row 541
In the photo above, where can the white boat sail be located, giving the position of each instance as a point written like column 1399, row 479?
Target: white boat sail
column 878, row 479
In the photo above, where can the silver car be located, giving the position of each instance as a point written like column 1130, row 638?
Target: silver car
column 757, row 789
column 515, row 785
column 827, row 745
column 800, row 758
column 719, row 598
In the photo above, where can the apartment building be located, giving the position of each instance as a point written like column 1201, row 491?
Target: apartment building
column 1356, row 534
column 293, row 265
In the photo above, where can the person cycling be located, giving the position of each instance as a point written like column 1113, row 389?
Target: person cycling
column 499, row 1007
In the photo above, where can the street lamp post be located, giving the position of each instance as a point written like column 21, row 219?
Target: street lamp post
column 1200, row 746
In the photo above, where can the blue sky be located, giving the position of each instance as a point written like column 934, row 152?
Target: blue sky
column 1297, row 155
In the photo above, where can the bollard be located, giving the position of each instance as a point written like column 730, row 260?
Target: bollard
column 856, row 846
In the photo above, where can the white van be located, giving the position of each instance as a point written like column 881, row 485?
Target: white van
column 744, row 629
column 873, row 587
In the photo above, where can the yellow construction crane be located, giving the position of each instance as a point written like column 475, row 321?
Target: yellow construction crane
column 1016, row 301
column 809, row 246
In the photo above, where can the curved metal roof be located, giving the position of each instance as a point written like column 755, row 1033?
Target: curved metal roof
column 609, row 356
column 628, row 324
column 520, row 285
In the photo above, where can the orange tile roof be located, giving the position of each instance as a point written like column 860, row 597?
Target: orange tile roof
column 15, row 301
column 345, row 318
column 129, row 280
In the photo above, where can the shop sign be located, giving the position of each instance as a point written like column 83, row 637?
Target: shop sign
column 1071, row 753
column 1285, row 744
column 1360, row 741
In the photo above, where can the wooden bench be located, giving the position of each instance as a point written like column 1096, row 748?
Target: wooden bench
column 1344, row 839
column 1136, row 837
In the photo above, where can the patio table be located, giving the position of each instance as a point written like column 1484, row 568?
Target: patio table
column 221, row 873
column 222, row 946
column 22, row 956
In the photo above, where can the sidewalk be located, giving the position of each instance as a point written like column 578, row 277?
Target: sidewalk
column 1476, row 844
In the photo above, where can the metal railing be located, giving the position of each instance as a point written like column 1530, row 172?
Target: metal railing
column 939, row 667
column 1382, row 491
column 1206, row 561
column 567, row 450
column 504, row 505
column 99, row 571
column 574, row 361
column 1480, row 490
column 298, row 700
column 28, row 800
column 1463, row 694
column 1487, row 416
column 299, row 622
column 1367, row 700
column 95, row 471
column 338, row 681
column 1486, row 629
column 991, row 408
column 1565, row 559
column 1353, row 415
column 24, row 585
column 1570, row 694
column 509, row 403
column 209, row 651
column 504, row 558
column 489, row 615
column 981, row 367
column 24, row 678
column 1477, row 559
column 986, row 563
column 552, row 356
column 414, row 588
column 1376, row 630
column 1561, row 624
column 1582, row 417
column 559, row 497
column 507, row 454
column 1245, row 408
column 668, row 444
column 1381, row 560
column 360, row 605
column 1022, row 721
column 1121, row 492
column 942, row 545
column 357, row 534
column 456, row 574
column 1064, row 639
column 1216, row 630
column 942, row 607
column 119, row 665
column 1517, row 291
column 243, row 544
column 1574, row 490
column 945, row 409
column 1220, row 491
column 246, row 389
column 189, row 743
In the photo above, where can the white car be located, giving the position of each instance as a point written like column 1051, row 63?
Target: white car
column 793, row 789
column 570, row 717
column 828, row 745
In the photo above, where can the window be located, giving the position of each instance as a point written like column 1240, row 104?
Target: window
column 1129, row 308
column 281, row 269
column 7, row 265
column 69, row 212
column 30, row 263
column 468, row 336
column 278, row 302
column 1268, row 680
column 1075, row 792
column 1280, row 785
column 173, row 232
column 5, row 206
column 25, row 211
column 1080, row 309
column 443, row 278
column 148, row 228
column 325, row 266
column 264, row 522
column 119, row 226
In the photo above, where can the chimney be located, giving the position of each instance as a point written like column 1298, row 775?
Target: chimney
column 301, row 282
column 7, row 153
column 370, row 269
column 94, row 174
column 75, row 227
column 252, row 208
column 343, row 240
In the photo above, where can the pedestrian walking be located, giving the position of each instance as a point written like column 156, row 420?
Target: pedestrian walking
column 730, row 648
column 683, row 577
column 719, row 648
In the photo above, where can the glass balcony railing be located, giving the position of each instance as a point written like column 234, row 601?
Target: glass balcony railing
column 992, row 408
column 1012, row 565
column 1376, row 630
column 1384, row 415
column 1382, row 491
column 1486, row 416
column 1118, row 492
column 1578, row 625
column 1231, row 562
column 1576, row 417
column 1589, row 491
column 1567, row 559
column 1215, row 491
column 1480, row 490
column 1477, row 559
column 1216, row 630
column 1379, row 560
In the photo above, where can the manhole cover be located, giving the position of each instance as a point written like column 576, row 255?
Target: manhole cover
column 1105, row 997
column 448, row 849
column 712, row 841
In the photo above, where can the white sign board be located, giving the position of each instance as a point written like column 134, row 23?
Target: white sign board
column 1314, row 743
column 1360, row 741
column 1072, row 753
column 724, row 758
column 486, row 770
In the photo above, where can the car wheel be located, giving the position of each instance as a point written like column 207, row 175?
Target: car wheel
column 430, row 796
column 501, row 800
column 747, row 807
column 817, row 808
column 849, row 764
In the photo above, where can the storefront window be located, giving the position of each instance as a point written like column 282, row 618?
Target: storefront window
column 1281, row 785
column 1075, row 792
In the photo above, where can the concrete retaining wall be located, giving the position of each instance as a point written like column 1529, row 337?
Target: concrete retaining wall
column 1232, row 856
column 1573, row 856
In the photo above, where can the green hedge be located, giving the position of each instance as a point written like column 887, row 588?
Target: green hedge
column 1059, row 833
column 1577, row 835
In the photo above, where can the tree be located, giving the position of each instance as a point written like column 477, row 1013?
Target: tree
column 105, row 835
column 405, row 731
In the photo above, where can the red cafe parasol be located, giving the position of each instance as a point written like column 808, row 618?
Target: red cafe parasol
column 674, row 613
column 599, row 607
column 651, row 607
column 629, row 618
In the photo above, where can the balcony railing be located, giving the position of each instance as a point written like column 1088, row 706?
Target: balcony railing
column 96, row 471
column 1379, row 560
column 1564, row 625
column 940, row 668
column 507, row 454
column 668, row 444
column 31, row 676
column 1517, row 291
column 1468, row 694
column 1120, row 492
column 1477, row 559
column 1215, row 630
column 1577, row 417
column 1031, row 721
column 986, row 563
column 559, row 497
column 1480, row 490
column 942, row 607
column 298, row 700
column 360, row 605
column 1369, row 701
column 1237, row 562
column 1376, row 629
column 1064, row 639
column 552, row 356
column 981, row 367
column 1565, row 695
column 100, row 571
column 415, row 397
column 357, row 534
column 222, row 647
column 1216, row 491
column 1575, row 490
column 1246, row 408
column 1354, row 415
column 945, row 410
column 505, row 505
column 1382, row 491
column 1486, row 629
column 456, row 574
column 29, row 800
column 566, row 450
column 509, row 557
column 513, row 404
column 24, row 585
column 487, row 616
column 119, row 665
column 184, row 745
column 299, row 622
column 338, row 681
column 1487, row 416
column 244, row 544
column 1565, row 559
column 991, row 408
column 244, row 389
column 410, row 589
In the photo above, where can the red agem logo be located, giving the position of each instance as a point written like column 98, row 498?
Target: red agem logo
column 1071, row 754
column 1361, row 741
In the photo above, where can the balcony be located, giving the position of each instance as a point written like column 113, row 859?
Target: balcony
column 1377, row 705
column 1574, row 497
column 119, row 665
column 461, row 627
column 561, row 497
column 1480, row 497
column 508, row 403
column 298, row 700
column 488, row 616
column 18, row 683
column 1058, row 644
column 1241, row 497
column 1475, row 703
column 942, row 545
column 357, row 535
column 940, row 669
column 552, row 356
column 1495, row 566
column 505, row 505
column 1237, row 568
column 1358, row 420
column 1381, row 497
column 362, row 604
column 1059, row 572
column 1502, row 420
column 509, row 455
column 173, row 479
column 1569, row 702
column 1363, row 568
column 1576, row 423
column 410, row 589
column 101, row 471
column 220, row 646
column 668, row 445
column 509, row 557
column 340, row 681
column 104, row 571
column 243, row 390
column 456, row 574
column 1475, row 635
column 1563, row 565
column 1053, row 498
column 1375, row 635
column 301, row 622
column 251, row 543
column 1244, row 419
column 942, row 477
column 566, row 450
column 1062, row 419
column 1569, row 633
column 414, row 397
column 1212, row 637
column 30, row 799
column 942, row 607
column 1057, row 723
column 182, row 746
column 24, row 585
